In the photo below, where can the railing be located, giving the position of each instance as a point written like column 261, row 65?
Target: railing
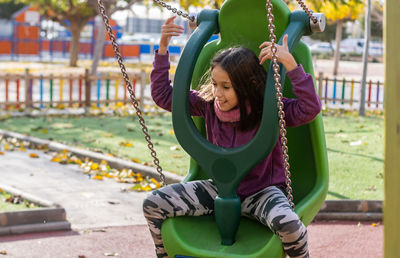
column 345, row 93
column 82, row 90
column 79, row 90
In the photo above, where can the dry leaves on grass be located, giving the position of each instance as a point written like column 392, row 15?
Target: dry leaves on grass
column 101, row 170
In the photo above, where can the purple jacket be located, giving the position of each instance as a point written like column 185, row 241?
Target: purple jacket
column 268, row 172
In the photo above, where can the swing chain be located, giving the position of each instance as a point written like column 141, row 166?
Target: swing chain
column 174, row 10
column 279, row 96
column 308, row 12
column 135, row 103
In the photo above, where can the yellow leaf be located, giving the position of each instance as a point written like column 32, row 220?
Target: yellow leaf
column 56, row 159
column 33, row 155
column 103, row 162
column 7, row 147
column 109, row 175
column 136, row 160
column 1, row 153
column 44, row 130
column 126, row 144
column 146, row 188
column 171, row 132
column 94, row 166
column 98, row 177
column 22, row 149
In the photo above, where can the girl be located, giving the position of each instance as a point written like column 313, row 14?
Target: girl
column 232, row 107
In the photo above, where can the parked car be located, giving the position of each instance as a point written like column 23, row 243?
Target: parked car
column 322, row 48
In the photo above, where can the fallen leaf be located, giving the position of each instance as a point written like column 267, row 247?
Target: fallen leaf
column 356, row 143
column 1, row 153
column 125, row 144
column 98, row 177
column 99, row 230
column 33, row 155
column 177, row 156
column 94, row 166
column 174, row 148
column 3, row 252
column 136, row 160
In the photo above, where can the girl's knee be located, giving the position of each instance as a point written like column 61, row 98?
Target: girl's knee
column 291, row 231
column 151, row 203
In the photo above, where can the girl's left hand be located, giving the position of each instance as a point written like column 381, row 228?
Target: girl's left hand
column 283, row 54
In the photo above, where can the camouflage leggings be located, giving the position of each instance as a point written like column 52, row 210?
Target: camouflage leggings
column 269, row 206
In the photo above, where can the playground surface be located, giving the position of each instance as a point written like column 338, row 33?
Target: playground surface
column 108, row 222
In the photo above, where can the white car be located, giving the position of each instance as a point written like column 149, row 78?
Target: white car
column 322, row 48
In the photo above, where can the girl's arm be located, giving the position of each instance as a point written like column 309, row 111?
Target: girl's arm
column 161, row 89
column 307, row 105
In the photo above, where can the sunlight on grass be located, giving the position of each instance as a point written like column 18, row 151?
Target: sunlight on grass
column 354, row 145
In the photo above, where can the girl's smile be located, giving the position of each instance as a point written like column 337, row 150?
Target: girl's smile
column 223, row 91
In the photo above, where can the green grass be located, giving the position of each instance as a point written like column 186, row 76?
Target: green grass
column 7, row 206
column 354, row 145
column 355, row 154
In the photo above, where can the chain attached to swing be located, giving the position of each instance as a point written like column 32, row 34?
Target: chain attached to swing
column 175, row 10
column 279, row 96
column 135, row 103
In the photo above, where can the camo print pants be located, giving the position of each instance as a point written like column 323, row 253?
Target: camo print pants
column 269, row 206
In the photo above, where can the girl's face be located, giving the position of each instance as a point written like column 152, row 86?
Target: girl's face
column 223, row 91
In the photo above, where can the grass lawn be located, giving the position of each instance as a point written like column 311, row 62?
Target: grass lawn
column 354, row 144
column 7, row 206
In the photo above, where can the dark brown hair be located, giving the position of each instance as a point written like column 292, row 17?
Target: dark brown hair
column 248, row 79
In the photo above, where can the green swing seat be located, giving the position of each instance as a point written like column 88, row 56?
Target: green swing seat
column 243, row 23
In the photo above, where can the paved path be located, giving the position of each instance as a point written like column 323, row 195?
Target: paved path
column 88, row 202
column 101, row 228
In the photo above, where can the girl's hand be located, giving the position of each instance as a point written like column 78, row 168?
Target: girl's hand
column 168, row 30
column 283, row 54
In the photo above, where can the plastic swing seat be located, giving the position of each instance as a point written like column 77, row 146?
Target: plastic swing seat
column 242, row 23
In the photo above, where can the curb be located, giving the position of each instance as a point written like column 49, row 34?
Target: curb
column 50, row 218
column 353, row 210
column 114, row 162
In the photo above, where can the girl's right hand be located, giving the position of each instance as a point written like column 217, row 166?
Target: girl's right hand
column 168, row 30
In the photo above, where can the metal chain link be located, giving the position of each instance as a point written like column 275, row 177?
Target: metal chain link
column 135, row 103
column 174, row 10
column 308, row 12
column 279, row 96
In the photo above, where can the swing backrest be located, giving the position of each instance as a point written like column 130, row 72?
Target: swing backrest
column 246, row 25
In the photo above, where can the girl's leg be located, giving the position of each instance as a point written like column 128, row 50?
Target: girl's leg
column 194, row 198
column 271, row 207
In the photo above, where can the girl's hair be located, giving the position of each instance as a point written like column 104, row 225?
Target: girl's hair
column 248, row 79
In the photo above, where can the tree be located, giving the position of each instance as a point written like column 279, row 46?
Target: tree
column 339, row 12
column 72, row 14
column 7, row 10
column 111, row 7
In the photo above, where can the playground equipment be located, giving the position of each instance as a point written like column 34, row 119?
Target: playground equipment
column 198, row 236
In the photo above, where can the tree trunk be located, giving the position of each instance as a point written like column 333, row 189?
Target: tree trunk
column 75, row 30
column 99, row 45
column 367, row 35
column 339, row 28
